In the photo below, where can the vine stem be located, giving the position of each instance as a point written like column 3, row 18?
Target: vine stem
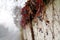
column 32, row 32
column 53, row 20
column 31, row 28
column 22, row 37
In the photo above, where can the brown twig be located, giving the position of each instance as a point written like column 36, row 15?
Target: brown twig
column 32, row 32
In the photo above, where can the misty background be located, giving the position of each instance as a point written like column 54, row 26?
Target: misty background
column 9, row 29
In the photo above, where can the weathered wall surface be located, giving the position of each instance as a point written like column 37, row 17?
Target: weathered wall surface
column 51, row 31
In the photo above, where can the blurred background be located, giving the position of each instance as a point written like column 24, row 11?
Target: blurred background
column 8, row 11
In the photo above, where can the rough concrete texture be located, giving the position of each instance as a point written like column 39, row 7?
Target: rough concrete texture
column 51, row 31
